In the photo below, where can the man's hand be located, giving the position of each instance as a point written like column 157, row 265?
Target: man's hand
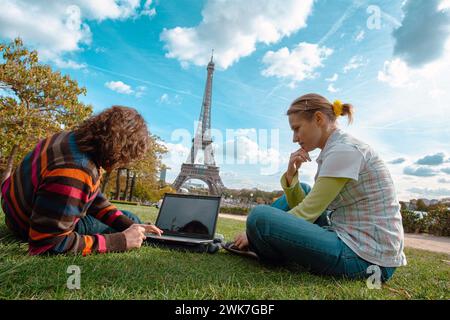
column 150, row 228
column 135, row 234
column 295, row 162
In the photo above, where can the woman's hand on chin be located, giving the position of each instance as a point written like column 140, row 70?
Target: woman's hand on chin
column 295, row 162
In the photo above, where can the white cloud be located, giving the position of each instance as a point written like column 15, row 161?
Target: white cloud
column 248, row 150
column 360, row 36
column 423, row 32
column 177, row 153
column 428, row 192
column 123, row 88
column 296, row 65
column 68, row 64
column 420, row 171
column 140, row 91
column 332, row 89
column 148, row 10
column 168, row 99
column 355, row 62
column 247, row 146
column 56, row 28
column 164, row 98
column 443, row 180
column 234, row 28
column 99, row 50
column 334, row 78
column 396, row 73
column 119, row 86
column 429, row 79
column 444, row 5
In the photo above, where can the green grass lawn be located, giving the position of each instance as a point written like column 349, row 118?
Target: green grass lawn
column 153, row 273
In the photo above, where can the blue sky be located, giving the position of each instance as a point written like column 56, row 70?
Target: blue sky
column 390, row 59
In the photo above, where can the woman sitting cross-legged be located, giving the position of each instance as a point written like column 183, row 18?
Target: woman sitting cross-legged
column 52, row 199
column 349, row 221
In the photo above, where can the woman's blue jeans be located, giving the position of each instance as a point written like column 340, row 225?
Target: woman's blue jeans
column 89, row 225
column 280, row 237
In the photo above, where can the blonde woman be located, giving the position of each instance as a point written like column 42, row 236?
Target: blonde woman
column 349, row 221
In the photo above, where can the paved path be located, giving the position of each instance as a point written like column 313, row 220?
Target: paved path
column 416, row 241
column 233, row 216
column 428, row 242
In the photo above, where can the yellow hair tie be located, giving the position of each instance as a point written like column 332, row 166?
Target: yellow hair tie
column 338, row 108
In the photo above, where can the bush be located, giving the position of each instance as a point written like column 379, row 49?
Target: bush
column 242, row 211
column 436, row 222
column 131, row 203
column 439, row 222
column 411, row 222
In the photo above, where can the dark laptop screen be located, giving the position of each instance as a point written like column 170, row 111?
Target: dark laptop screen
column 191, row 216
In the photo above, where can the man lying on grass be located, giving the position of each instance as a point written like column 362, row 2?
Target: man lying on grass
column 352, row 182
column 52, row 199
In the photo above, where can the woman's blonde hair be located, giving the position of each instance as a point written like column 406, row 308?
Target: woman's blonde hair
column 308, row 104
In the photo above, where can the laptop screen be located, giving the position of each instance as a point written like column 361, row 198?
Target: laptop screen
column 189, row 215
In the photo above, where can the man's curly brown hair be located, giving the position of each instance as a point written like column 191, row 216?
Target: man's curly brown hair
column 113, row 138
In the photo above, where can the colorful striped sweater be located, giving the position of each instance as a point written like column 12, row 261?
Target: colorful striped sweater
column 51, row 189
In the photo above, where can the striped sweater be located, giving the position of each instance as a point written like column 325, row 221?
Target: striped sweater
column 51, row 189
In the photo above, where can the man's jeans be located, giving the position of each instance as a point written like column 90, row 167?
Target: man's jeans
column 280, row 237
column 89, row 225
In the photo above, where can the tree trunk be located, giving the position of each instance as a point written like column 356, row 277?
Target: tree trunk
column 125, row 192
column 117, row 195
column 9, row 165
column 105, row 181
column 133, row 183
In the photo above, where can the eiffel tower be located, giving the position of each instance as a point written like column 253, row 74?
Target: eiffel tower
column 208, row 172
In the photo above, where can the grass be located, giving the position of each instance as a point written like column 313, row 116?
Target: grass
column 154, row 273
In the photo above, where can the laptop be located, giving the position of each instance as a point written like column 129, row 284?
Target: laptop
column 186, row 218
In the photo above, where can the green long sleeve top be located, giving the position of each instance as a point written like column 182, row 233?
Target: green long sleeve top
column 311, row 206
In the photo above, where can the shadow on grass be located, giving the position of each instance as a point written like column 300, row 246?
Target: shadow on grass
column 6, row 236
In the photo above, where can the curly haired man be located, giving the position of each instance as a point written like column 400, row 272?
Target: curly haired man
column 52, row 199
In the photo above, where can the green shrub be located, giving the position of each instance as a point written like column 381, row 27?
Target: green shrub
column 131, row 203
column 436, row 222
column 242, row 211
column 439, row 222
column 411, row 222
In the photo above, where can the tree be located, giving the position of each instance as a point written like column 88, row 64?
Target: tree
column 403, row 205
column 143, row 173
column 127, row 184
column 118, row 174
column 105, row 180
column 421, row 206
column 133, row 184
column 35, row 102
column 146, row 170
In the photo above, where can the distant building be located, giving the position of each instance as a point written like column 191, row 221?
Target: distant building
column 426, row 202
column 434, row 202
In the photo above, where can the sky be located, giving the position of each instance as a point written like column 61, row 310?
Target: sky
column 390, row 59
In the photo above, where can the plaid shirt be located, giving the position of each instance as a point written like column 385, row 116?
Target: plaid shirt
column 52, row 188
column 366, row 213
